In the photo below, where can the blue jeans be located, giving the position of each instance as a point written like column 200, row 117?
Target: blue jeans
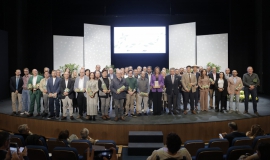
column 25, row 99
column 253, row 96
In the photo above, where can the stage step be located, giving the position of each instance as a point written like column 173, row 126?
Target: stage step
column 143, row 149
column 145, row 137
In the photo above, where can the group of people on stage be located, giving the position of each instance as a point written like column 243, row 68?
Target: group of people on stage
column 93, row 91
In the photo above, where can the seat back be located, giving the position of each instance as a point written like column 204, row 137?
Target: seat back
column 235, row 152
column 81, row 145
column 223, row 144
column 37, row 152
column 214, row 153
column 53, row 142
column 106, row 143
column 42, row 142
column 242, row 141
column 61, row 153
column 258, row 140
column 18, row 139
column 193, row 145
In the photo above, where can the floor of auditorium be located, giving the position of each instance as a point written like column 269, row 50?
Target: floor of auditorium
column 211, row 115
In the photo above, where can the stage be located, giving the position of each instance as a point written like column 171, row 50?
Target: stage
column 204, row 125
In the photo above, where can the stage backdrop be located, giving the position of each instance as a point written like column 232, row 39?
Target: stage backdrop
column 97, row 46
column 213, row 48
column 182, row 45
column 67, row 49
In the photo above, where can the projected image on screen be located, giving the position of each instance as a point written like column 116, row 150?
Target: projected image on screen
column 139, row 39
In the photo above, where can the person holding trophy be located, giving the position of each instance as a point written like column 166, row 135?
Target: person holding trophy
column 104, row 84
column 43, row 89
column 35, row 93
column 157, row 83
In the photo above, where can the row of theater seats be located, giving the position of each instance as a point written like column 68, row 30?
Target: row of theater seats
column 218, row 149
column 55, row 149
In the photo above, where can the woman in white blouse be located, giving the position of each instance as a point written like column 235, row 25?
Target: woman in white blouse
column 221, row 86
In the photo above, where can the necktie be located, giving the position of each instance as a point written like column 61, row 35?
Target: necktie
column 189, row 78
column 17, row 83
column 172, row 79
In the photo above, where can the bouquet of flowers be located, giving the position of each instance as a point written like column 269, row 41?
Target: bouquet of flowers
column 188, row 87
column 238, row 87
column 121, row 89
column 90, row 92
column 30, row 87
column 205, row 87
column 104, row 87
column 143, row 94
column 211, row 80
column 44, row 87
column 36, row 86
column 130, row 89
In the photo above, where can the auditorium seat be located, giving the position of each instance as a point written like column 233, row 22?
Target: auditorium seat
column 193, row 145
column 235, row 152
column 242, row 141
column 214, row 153
column 42, row 142
column 37, row 152
column 18, row 139
column 65, row 153
column 107, row 144
column 258, row 140
column 223, row 144
column 81, row 145
column 53, row 142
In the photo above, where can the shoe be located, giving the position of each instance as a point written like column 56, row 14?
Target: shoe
column 19, row 113
column 56, row 117
column 64, row 118
column 193, row 112
column 122, row 118
column 245, row 112
column 210, row 108
column 230, row 111
column 221, row 111
column 30, row 115
column 116, row 119
column 50, row 117
column 257, row 114
column 151, row 110
column 112, row 107
column 38, row 115
column 170, row 113
column 196, row 108
column 94, row 118
column 145, row 114
column 87, row 117
column 26, row 113
column 79, row 117
column 217, row 110
column 139, row 114
column 72, row 118
column 175, row 113
column 238, row 112
column 44, row 114
column 22, row 113
column 90, row 118
column 13, row 114
column 107, row 116
column 104, row 117
column 185, row 112
column 126, row 115
column 132, row 115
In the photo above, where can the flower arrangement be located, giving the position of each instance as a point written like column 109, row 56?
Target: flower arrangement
column 79, row 90
column 205, row 87
column 211, row 80
column 121, row 89
column 214, row 65
column 66, row 90
column 30, row 87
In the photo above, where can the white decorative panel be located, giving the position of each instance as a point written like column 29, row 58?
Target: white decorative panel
column 182, row 44
column 213, row 48
column 67, row 49
column 97, row 46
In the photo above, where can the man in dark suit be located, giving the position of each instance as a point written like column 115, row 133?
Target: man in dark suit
column 234, row 133
column 53, row 89
column 16, row 87
column 172, row 82
column 197, row 93
column 148, row 75
column 212, row 75
column 66, row 94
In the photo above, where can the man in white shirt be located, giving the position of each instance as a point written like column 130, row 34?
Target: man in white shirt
column 80, row 89
column 212, row 75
